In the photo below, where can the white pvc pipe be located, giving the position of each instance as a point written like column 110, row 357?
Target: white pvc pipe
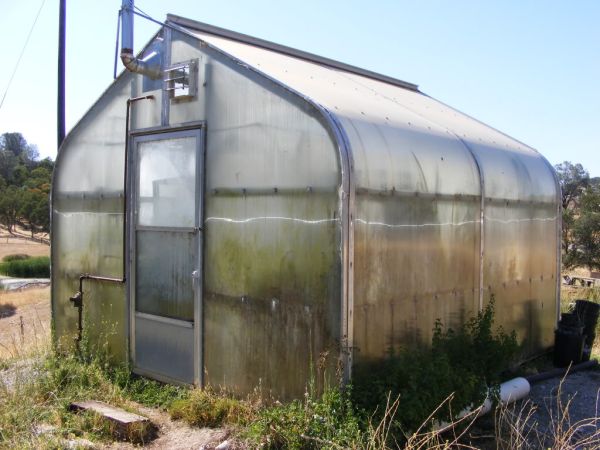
column 510, row 392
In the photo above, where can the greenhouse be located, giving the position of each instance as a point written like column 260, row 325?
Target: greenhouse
column 237, row 213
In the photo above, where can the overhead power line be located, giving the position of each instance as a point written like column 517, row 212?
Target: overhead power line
column 22, row 52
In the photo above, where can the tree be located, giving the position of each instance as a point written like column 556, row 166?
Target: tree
column 17, row 157
column 9, row 207
column 586, row 232
column 18, row 146
column 574, row 180
column 39, row 178
column 8, row 162
column 35, row 210
column 24, row 184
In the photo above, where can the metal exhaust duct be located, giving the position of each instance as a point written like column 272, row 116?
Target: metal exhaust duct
column 150, row 67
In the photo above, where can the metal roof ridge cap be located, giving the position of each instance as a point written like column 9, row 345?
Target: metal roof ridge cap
column 240, row 37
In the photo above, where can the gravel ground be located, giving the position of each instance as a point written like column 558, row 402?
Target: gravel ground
column 561, row 414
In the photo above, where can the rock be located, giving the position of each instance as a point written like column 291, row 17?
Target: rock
column 223, row 445
column 43, row 428
column 79, row 443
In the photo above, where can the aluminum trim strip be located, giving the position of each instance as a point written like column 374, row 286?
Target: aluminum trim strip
column 162, row 319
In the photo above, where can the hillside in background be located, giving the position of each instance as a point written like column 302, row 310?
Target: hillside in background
column 24, row 185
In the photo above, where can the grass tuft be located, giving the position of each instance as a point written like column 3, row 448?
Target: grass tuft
column 207, row 408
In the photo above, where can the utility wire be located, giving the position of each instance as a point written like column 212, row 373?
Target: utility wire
column 22, row 52
column 142, row 11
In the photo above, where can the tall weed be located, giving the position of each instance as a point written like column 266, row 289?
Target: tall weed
column 466, row 362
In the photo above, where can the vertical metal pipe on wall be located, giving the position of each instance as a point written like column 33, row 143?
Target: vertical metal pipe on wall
column 127, row 26
column 60, row 106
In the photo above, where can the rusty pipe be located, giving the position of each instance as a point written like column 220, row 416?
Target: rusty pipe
column 77, row 298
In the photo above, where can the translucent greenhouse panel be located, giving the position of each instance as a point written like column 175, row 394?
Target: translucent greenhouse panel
column 272, row 289
column 416, row 260
column 408, row 159
column 416, row 234
column 272, row 286
column 520, row 269
column 87, row 223
column 166, row 186
column 521, row 242
column 271, row 144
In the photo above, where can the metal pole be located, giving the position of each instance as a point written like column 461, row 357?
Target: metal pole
column 60, row 107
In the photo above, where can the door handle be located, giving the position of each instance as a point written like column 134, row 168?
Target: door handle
column 196, row 274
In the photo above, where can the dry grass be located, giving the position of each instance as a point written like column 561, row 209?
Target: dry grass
column 24, row 321
column 13, row 246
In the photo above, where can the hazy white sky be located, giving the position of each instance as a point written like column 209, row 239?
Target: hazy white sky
column 530, row 69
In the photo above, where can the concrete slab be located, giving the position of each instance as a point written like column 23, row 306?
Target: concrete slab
column 125, row 425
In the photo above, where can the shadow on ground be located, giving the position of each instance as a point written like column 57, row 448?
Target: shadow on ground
column 7, row 310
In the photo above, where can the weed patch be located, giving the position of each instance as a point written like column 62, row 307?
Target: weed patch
column 466, row 362
column 328, row 420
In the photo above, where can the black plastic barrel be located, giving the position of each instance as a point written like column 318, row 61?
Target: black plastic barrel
column 568, row 347
column 588, row 313
column 571, row 320
column 569, row 340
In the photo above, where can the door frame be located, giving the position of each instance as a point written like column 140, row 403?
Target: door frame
column 145, row 135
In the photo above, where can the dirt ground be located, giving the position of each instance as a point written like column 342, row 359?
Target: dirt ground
column 176, row 435
column 24, row 321
column 19, row 243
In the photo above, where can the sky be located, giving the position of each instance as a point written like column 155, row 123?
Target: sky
column 528, row 68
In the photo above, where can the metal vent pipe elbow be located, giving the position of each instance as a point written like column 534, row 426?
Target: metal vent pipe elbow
column 130, row 61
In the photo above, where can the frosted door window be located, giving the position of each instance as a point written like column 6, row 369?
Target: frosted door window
column 167, row 187
column 165, row 262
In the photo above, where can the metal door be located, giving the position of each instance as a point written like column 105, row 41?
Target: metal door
column 166, row 243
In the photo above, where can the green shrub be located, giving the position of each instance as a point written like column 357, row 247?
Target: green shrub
column 38, row 267
column 463, row 362
column 15, row 257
